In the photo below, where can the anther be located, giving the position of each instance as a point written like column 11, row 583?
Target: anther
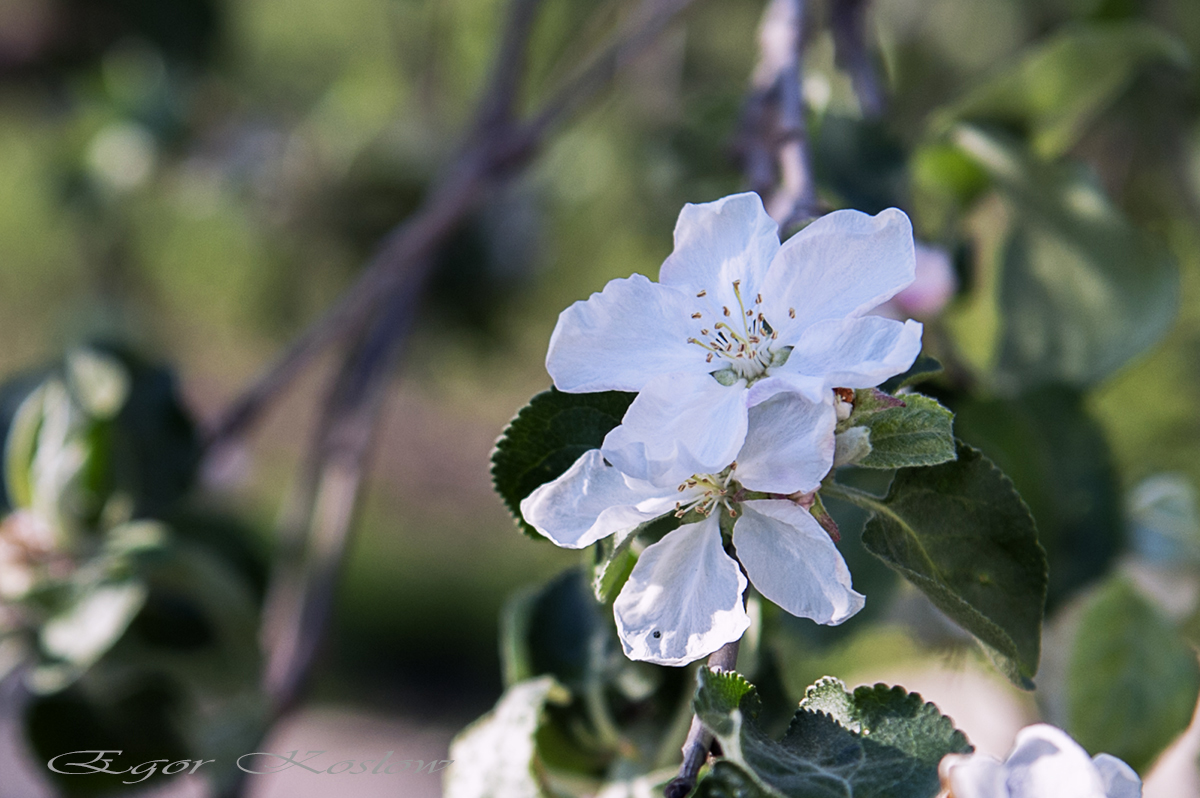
column 758, row 299
column 736, row 283
column 709, row 358
column 749, row 313
column 727, row 311
column 695, row 315
column 791, row 313
column 704, row 332
column 702, row 293
column 732, row 513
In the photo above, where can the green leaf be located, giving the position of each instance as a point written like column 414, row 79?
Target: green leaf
column 613, row 558
column 547, row 437
column 1060, row 85
column 960, row 532
column 878, row 742
column 1059, row 460
column 890, row 715
column 1132, row 681
column 83, row 633
column 923, row 368
column 614, row 561
column 496, row 756
column 918, row 434
column 1081, row 291
column 550, row 630
column 98, row 380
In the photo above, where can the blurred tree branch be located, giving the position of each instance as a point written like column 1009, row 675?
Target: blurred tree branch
column 848, row 22
column 495, row 149
column 774, row 145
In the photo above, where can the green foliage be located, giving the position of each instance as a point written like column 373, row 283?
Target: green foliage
column 1081, row 290
column 1058, row 86
column 960, row 532
column 918, row 434
column 176, row 673
column 1047, row 442
column 860, row 162
column 552, row 630
column 1132, row 681
column 876, row 742
column 547, row 436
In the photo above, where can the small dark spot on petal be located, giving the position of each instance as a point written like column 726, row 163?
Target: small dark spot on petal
column 657, row 635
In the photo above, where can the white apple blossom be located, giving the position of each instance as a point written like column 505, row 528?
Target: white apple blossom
column 1044, row 763
column 683, row 599
column 734, row 320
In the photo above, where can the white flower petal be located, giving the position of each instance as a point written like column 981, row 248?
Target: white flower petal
column 811, row 388
column 620, row 338
column 978, row 776
column 718, row 242
column 841, row 265
column 1120, row 780
column 791, row 560
column 679, row 425
column 789, row 445
column 686, row 590
column 592, row 500
column 855, row 353
column 1046, row 763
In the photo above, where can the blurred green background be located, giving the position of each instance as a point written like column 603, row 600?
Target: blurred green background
column 199, row 179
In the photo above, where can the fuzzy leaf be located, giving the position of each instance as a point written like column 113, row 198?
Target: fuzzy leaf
column 877, row 742
column 547, row 436
column 918, row 434
column 960, row 532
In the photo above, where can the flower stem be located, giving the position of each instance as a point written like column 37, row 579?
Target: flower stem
column 699, row 739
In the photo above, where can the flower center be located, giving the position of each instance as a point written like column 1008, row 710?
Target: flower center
column 709, row 492
column 741, row 347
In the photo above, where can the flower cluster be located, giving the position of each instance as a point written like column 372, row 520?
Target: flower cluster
column 738, row 356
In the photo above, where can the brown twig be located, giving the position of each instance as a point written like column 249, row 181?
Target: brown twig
column 495, row 148
column 700, row 739
column 774, row 140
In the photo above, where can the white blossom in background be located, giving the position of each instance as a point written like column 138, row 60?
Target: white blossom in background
column 1044, row 763
column 735, row 319
column 683, row 599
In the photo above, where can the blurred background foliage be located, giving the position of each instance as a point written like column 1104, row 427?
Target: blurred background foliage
column 198, row 179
